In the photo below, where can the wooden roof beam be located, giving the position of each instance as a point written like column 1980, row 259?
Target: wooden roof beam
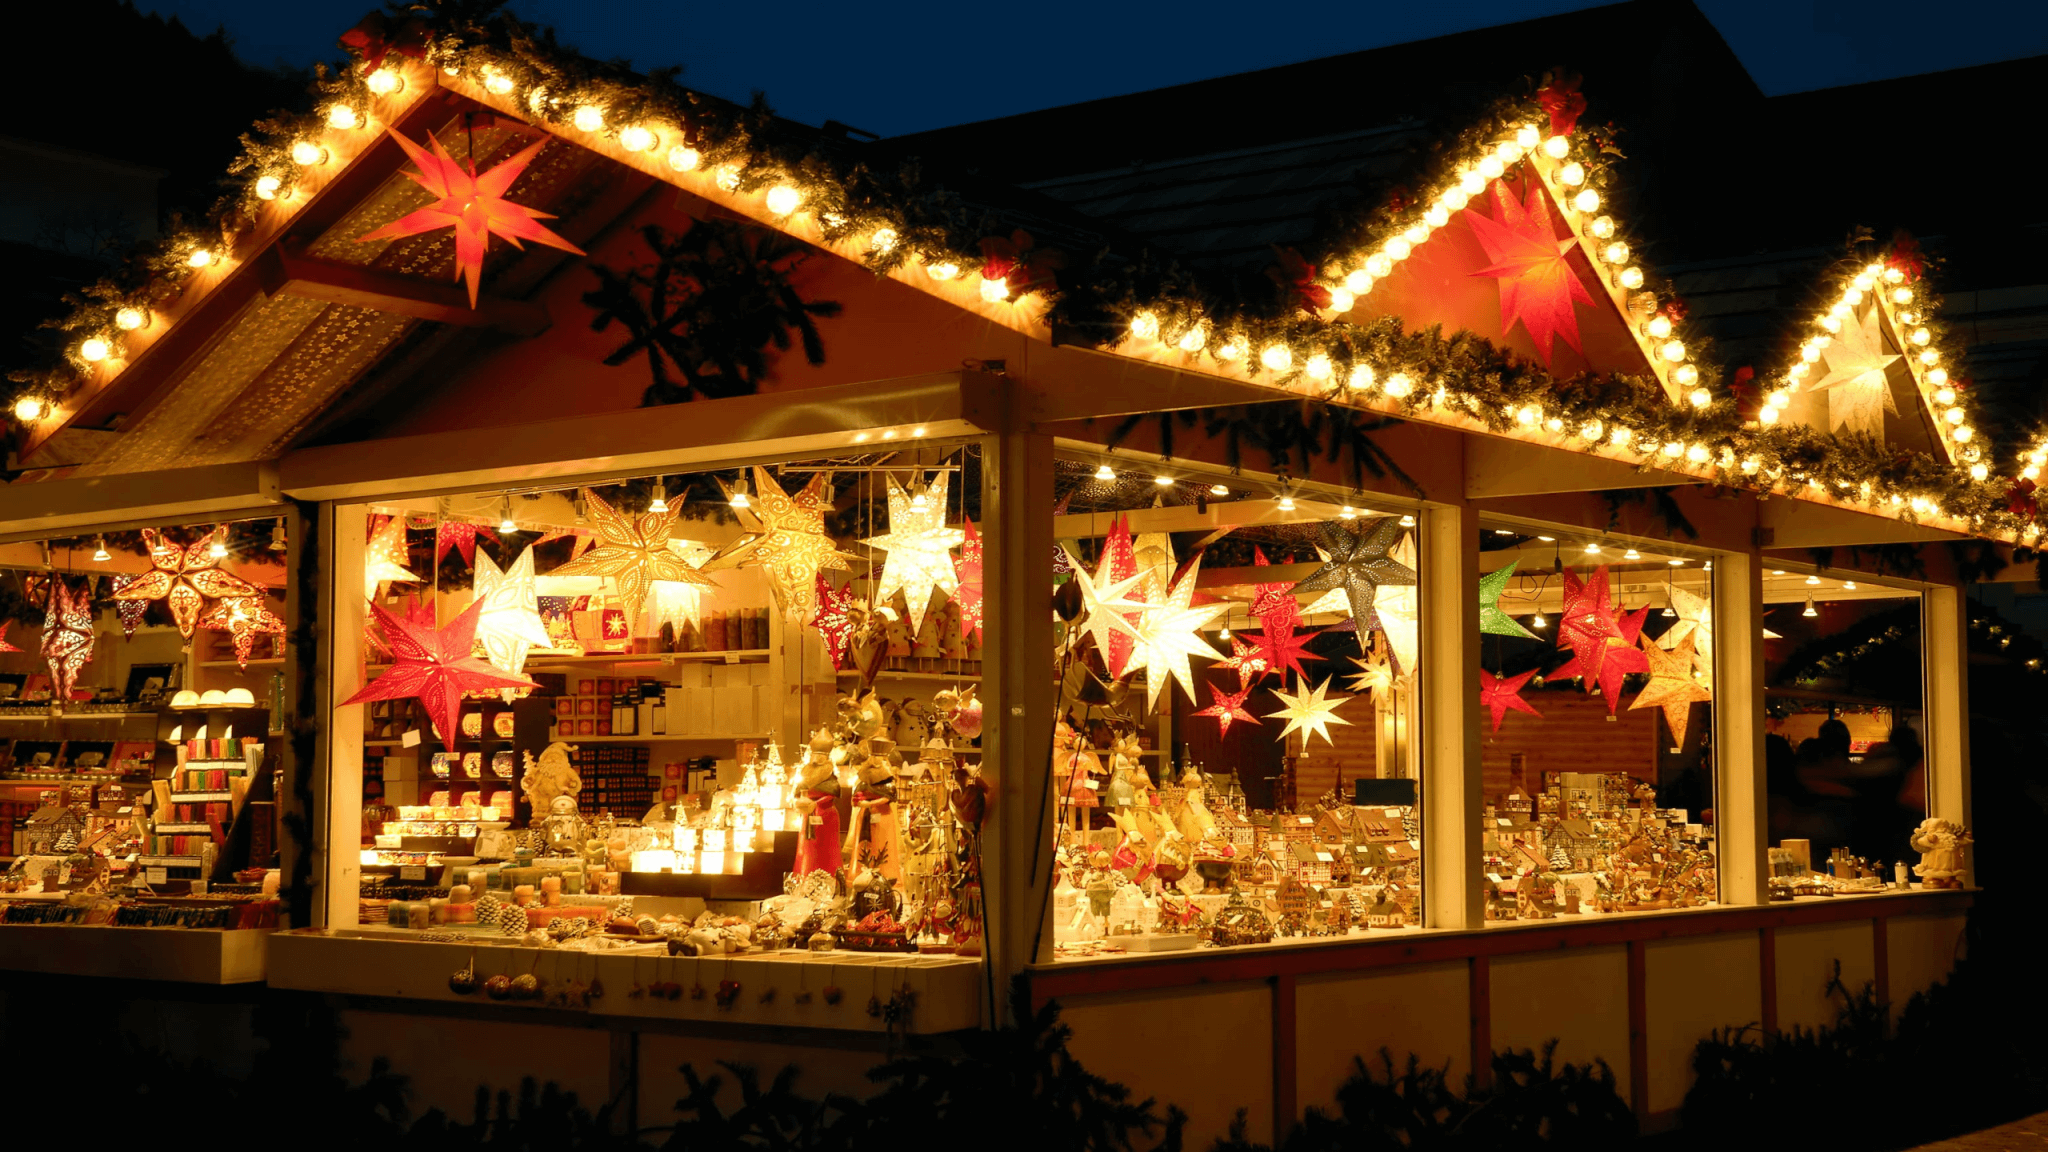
column 1496, row 467
column 334, row 282
column 1788, row 523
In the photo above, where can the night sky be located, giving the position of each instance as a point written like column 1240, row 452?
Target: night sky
column 892, row 68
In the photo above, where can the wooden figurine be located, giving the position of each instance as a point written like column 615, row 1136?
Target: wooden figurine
column 817, row 801
column 1077, row 765
column 874, row 795
column 551, row 776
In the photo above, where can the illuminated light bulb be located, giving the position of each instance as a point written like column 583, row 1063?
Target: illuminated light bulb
column 1472, row 183
column 1750, row 464
column 219, row 548
column 1526, row 137
column 1863, row 282
column 1317, row 367
column 1455, row 198
column 1491, row 167
column 1358, row 283
column 1398, row 385
column 1572, row 175
column 1699, row 397
column 1286, row 503
column 1223, row 633
column 1673, row 449
column 589, row 118
column 1684, row 375
column 2031, row 472
column 384, row 82
column 1809, row 352
column 1978, row 471
column 1674, row 351
column 1902, row 295
column 1398, row 248
column 1659, row 327
column 1537, row 621
column 1810, row 611
column 1592, row 430
column 1341, row 301
column 1379, row 264
column 1556, row 147
column 1631, row 278
column 994, row 291
column 1361, row 378
column 728, row 178
column 1416, row 234
column 1631, row 554
column 1853, row 297
column 920, row 500
column 1277, row 357
column 783, row 199
column 1347, row 513
column 1893, row 275
column 497, row 83
column 1963, row 433
column 100, row 552
column 1937, row 377
column 1831, row 323
column 1554, row 424
column 305, row 153
column 1813, row 579
column 1163, row 480
column 129, row 319
column 1944, row 396
column 199, row 258
column 1235, row 348
column 29, row 409
column 343, row 117
column 1922, row 336
column 1587, row 200
column 94, row 349
column 1929, row 357
column 1407, row 521
column 1437, row 216
column 1954, row 416
column 682, row 157
column 638, row 138
column 1219, row 489
column 1619, row 437
column 267, row 187
column 1602, row 227
column 1697, row 453
column 1615, row 253
column 1145, row 326
column 942, row 271
column 1509, row 151
column 1193, row 339
column 1676, row 562
column 1104, row 472
column 1592, row 548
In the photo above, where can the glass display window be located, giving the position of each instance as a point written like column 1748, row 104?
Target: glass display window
column 692, row 714
column 1596, row 701
column 1237, row 757
column 1846, row 731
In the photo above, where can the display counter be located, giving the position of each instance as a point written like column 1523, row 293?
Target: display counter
column 184, row 955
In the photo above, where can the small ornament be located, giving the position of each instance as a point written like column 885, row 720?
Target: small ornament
column 464, row 982
column 833, row 994
column 875, row 1007
column 728, row 992
column 696, row 991
column 498, row 987
column 1228, row 707
column 525, row 986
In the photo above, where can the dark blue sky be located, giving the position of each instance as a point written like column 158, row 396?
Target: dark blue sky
column 901, row 67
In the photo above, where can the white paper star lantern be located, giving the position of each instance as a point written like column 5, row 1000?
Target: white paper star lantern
column 920, row 549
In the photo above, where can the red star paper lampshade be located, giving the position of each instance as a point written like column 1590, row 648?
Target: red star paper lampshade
column 434, row 665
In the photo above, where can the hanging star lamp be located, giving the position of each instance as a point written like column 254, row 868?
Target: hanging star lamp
column 1359, row 564
column 1695, row 620
column 1400, row 611
column 1119, row 562
column 1671, row 687
column 435, row 665
column 919, row 549
column 509, row 624
column 1309, row 712
column 1247, row 659
column 460, row 536
column 1375, row 675
column 4, row 645
column 967, row 575
column 1106, row 611
column 130, row 611
column 474, row 205
column 786, row 539
column 632, row 552
column 1170, row 634
column 1537, row 284
column 1858, row 380
column 385, row 557
column 1279, row 612
column 184, row 578
column 834, row 618
column 1228, row 708
column 1601, row 637
column 67, row 635
column 1493, row 621
column 1498, row 694
column 243, row 618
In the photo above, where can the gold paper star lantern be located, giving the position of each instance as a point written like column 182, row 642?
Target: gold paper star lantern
column 1695, row 619
column 385, row 557
column 243, row 618
column 1374, row 674
column 786, row 539
column 1858, row 382
column 1671, row 685
column 1398, row 607
column 632, row 551
column 1106, row 608
column 1170, row 634
column 920, row 549
column 509, row 624
column 1309, row 713
column 184, row 578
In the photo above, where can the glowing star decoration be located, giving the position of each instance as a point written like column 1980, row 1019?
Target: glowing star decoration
column 459, row 535
column 130, row 611
column 4, row 645
column 967, row 575
column 1400, row 613
column 1170, row 633
column 243, row 618
column 786, row 539
column 183, row 578
column 385, row 558
column 1374, row 675
column 474, row 205
column 1695, row 619
column 1119, row 561
column 920, row 549
column 1247, row 659
column 509, row 624
column 1671, row 686
column 834, row 620
column 1602, row 639
column 1278, row 612
column 1106, row 611
column 1857, row 383
column 1537, row 284
column 1493, row 621
column 1359, row 563
column 1497, row 694
column 1309, row 713
column 435, row 665
column 632, row 552
column 1228, row 708
column 67, row 635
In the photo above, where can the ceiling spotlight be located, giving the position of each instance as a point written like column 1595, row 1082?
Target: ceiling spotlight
column 1631, row 554
column 1407, row 521
column 1105, row 473
column 1592, row 548
column 1548, row 539
column 1163, row 480
column 1809, row 608
column 1668, row 612
column 100, row 551
column 277, row 541
column 1813, row 579
column 505, row 521
column 1219, row 489
column 1676, row 563
column 1848, row 585
column 739, row 494
column 1777, row 571
column 219, row 548
column 660, row 501
column 1537, row 621
column 1503, row 532
column 1347, row 513
column 1286, row 503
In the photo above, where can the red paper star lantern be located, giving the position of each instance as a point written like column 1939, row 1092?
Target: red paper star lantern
column 434, row 665
column 67, row 635
column 243, row 618
column 184, row 578
column 1229, row 707
column 1248, row 659
column 1279, row 613
column 1537, row 284
column 1602, row 639
column 473, row 205
column 461, row 536
column 1119, row 562
column 967, row 571
column 1497, row 694
column 834, row 622
column 4, row 645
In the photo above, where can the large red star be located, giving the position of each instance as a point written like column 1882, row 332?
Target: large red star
column 1497, row 694
column 1278, row 613
column 434, row 665
column 1229, row 706
column 1537, row 284
column 1602, row 638
column 474, row 205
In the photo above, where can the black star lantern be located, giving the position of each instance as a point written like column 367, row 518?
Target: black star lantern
column 1359, row 563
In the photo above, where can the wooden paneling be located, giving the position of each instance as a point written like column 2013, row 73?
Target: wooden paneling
column 1420, row 1009
column 1806, row 956
column 1208, row 1050
column 1577, row 997
column 1691, row 987
column 1920, row 951
column 1573, row 735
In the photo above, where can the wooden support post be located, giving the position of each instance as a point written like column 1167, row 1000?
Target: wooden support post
column 338, row 766
column 1945, row 664
column 1767, row 955
column 1638, row 1027
column 298, row 801
column 1448, row 539
column 1480, row 999
column 1741, row 798
column 1286, row 1071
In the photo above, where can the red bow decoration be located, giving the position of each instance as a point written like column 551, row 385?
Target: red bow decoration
column 1016, row 261
column 373, row 38
column 1742, row 389
column 1674, row 310
column 1906, row 255
column 1561, row 99
column 1297, row 278
column 1397, row 199
column 2020, row 498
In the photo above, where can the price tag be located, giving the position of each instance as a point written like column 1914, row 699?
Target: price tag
column 412, row 871
column 411, row 739
column 156, row 875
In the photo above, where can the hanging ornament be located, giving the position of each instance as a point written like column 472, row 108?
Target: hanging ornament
column 1170, row 634
column 786, row 539
column 459, row 535
column 1858, row 380
column 632, row 552
column 243, row 618
column 473, row 205
column 4, row 645
column 1228, row 708
column 1537, row 284
column 130, row 611
column 967, row 575
column 1119, row 561
column 1695, row 620
column 1278, row 612
column 1497, row 694
column 1309, row 713
column 1359, row 563
column 834, row 618
column 1493, row 621
column 1400, row 612
column 1105, row 610
column 1602, row 638
column 1672, row 686
column 184, row 578
column 509, row 624
column 385, row 558
column 1375, row 674
column 67, row 635
column 920, row 549
column 435, row 665
column 1248, row 659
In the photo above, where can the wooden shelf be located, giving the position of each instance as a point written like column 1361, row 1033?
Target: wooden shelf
column 730, row 656
column 75, row 717
column 886, row 675
column 263, row 662
column 55, row 777
column 669, row 739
